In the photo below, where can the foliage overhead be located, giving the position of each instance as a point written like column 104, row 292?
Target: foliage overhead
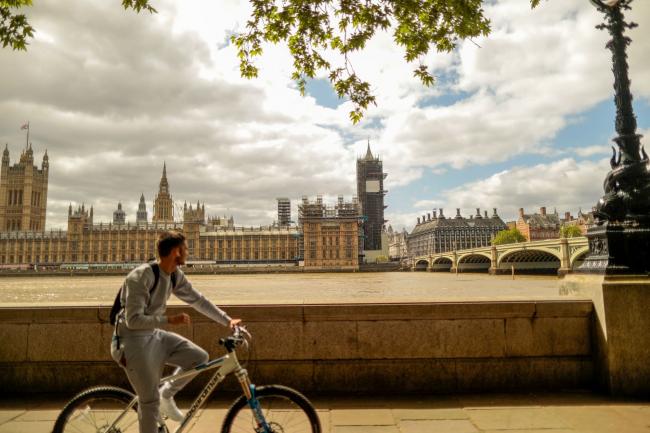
column 509, row 236
column 314, row 27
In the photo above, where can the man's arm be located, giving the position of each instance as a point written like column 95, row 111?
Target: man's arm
column 137, row 286
column 185, row 292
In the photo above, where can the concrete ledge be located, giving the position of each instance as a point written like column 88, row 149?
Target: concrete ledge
column 427, row 347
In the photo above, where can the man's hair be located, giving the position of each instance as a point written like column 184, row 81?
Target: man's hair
column 167, row 241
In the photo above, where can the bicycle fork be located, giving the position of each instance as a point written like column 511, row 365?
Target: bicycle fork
column 253, row 403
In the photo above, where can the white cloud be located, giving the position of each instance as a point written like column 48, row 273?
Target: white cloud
column 566, row 185
column 112, row 94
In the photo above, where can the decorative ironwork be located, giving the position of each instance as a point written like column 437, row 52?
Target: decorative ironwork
column 627, row 185
column 619, row 242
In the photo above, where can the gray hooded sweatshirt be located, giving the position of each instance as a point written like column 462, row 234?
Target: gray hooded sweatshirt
column 145, row 312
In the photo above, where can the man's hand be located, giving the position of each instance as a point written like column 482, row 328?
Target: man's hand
column 178, row 319
column 234, row 322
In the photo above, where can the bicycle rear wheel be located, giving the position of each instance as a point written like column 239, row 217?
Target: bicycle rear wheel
column 285, row 411
column 95, row 410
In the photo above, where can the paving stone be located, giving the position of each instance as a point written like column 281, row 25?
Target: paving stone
column 365, row 429
column 430, row 414
column 437, row 426
column 603, row 419
column 517, row 418
column 325, row 420
column 27, row 427
column 545, row 430
column 365, row 417
column 39, row 415
column 10, row 414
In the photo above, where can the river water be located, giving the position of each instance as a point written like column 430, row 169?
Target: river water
column 371, row 287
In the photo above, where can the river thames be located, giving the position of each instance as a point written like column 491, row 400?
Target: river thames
column 366, row 287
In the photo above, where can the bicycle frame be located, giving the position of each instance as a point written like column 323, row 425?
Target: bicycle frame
column 225, row 365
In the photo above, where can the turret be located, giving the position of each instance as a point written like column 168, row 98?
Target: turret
column 5, row 156
column 141, row 216
column 46, row 162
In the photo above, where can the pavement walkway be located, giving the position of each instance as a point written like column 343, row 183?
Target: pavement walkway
column 484, row 413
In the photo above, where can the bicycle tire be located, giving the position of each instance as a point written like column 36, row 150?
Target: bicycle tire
column 236, row 415
column 113, row 398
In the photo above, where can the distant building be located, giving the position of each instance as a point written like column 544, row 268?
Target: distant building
column 221, row 222
column 23, row 193
column 370, row 190
column 87, row 242
column 141, row 216
column 583, row 221
column 284, row 211
column 330, row 234
column 439, row 234
column 539, row 226
column 163, row 206
column 397, row 244
column 119, row 216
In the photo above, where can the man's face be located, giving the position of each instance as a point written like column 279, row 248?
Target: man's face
column 181, row 254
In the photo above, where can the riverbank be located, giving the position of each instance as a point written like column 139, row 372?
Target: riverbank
column 205, row 270
column 292, row 288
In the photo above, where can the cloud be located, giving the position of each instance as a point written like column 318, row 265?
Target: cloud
column 112, row 94
column 566, row 185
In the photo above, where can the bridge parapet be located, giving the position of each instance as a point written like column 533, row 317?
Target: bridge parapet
column 562, row 254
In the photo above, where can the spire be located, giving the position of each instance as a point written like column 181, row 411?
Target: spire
column 164, row 185
column 142, row 198
column 369, row 156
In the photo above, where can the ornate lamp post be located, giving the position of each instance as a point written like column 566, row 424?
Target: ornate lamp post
column 619, row 242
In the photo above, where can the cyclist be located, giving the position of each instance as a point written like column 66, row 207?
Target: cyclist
column 141, row 347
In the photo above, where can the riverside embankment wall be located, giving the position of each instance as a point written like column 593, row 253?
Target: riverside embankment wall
column 386, row 348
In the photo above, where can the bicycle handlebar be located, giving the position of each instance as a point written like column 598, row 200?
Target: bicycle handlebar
column 239, row 336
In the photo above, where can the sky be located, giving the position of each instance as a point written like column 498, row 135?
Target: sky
column 522, row 118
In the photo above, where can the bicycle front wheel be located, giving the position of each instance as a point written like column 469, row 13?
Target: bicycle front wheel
column 96, row 410
column 285, row 411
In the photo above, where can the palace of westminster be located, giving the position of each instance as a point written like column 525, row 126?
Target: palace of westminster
column 326, row 237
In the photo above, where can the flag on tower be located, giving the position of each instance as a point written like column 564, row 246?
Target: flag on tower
column 25, row 126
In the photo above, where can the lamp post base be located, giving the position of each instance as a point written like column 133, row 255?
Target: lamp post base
column 618, row 249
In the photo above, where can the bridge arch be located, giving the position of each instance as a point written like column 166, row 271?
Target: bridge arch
column 474, row 262
column 441, row 264
column 421, row 265
column 531, row 260
column 578, row 257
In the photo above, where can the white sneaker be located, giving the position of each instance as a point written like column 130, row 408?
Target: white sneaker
column 168, row 407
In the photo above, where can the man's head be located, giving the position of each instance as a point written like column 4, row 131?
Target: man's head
column 172, row 247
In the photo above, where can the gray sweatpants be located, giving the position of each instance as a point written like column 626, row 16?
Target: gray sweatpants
column 145, row 356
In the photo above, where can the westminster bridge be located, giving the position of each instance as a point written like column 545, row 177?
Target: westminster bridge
column 550, row 255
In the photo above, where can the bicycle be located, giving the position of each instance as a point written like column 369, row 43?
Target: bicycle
column 273, row 408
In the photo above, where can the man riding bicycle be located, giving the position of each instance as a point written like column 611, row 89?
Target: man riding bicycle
column 141, row 348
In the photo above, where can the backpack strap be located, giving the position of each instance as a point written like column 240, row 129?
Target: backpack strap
column 155, row 267
column 117, row 304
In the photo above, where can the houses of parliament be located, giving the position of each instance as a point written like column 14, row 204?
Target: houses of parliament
column 332, row 235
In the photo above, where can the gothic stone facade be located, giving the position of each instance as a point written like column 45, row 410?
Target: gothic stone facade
column 330, row 234
column 88, row 242
column 23, row 193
